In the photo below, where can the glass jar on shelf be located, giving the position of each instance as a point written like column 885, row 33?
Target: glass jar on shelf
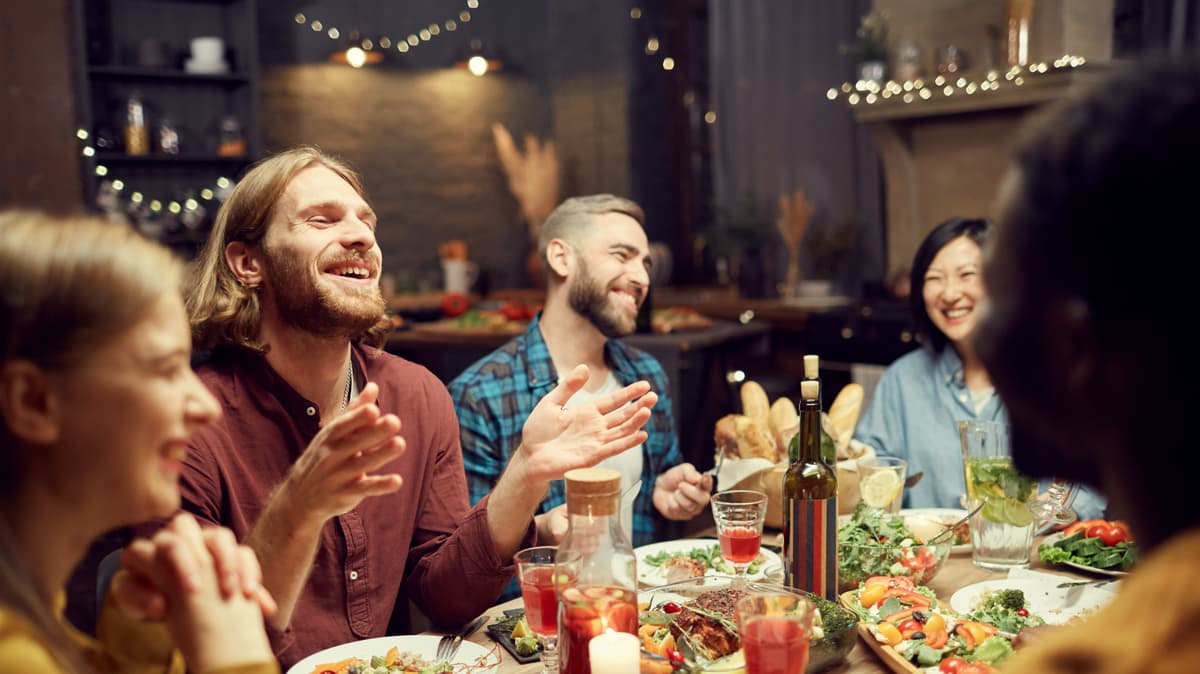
column 137, row 133
column 230, row 140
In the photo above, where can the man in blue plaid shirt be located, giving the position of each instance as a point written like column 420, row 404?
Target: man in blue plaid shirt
column 597, row 259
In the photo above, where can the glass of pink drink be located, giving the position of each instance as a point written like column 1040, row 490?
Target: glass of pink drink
column 775, row 628
column 739, row 516
column 535, row 573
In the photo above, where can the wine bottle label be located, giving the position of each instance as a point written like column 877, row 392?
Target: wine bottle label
column 811, row 546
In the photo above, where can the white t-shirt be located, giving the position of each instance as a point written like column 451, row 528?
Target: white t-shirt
column 628, row 463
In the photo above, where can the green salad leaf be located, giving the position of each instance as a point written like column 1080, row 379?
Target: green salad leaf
column 1079, row 549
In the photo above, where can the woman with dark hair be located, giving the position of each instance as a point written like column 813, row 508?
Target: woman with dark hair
column 914, row 410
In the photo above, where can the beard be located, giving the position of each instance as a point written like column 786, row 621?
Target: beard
column 316, row 308
column 590, row 299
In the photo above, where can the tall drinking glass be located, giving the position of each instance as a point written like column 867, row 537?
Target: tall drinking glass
column 739, row 516
column 775, row 628
column 1002, row 530
column 535, row 573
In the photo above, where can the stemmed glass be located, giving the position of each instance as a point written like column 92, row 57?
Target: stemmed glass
column 739, row 516
column 535, row 573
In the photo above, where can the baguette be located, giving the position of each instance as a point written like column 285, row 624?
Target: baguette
column 783, row 422
column 755, row 403
column 843, row 413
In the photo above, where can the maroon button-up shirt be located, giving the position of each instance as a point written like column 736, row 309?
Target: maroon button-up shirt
column 424, row 539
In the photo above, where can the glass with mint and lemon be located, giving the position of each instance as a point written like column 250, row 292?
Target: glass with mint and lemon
column 1002, row 530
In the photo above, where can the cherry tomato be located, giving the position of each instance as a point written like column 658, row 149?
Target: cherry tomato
column 951, row 665
column 1123, row 527
column 872, row 594
column 913, row 563
column 975, row 668
column 514, row 311
column 908, row 627
column 1112, row 535
column 1095, row 530
column 1024, row 613
column 675, row 657
column 455, row 304
column 671, row 607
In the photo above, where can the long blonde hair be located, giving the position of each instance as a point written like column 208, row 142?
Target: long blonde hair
column 67, row 285
column 223, row 312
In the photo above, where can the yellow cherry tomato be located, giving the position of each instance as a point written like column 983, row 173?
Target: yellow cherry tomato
column 871, row 595
column 888, row 631
column 935, row 623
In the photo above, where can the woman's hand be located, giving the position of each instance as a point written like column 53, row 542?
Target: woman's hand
column 205, row 587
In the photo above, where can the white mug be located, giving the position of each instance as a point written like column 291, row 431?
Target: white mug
column 208, row 50
column 459, row 275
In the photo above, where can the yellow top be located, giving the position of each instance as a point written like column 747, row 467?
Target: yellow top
column 125, row 645
column 1150, row 628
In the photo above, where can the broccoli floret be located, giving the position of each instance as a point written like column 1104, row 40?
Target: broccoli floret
column 1013, row 599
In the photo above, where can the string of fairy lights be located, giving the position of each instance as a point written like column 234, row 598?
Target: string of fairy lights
column 870, row 92
column 132, row 199
column 360, row 53
column 655, row 49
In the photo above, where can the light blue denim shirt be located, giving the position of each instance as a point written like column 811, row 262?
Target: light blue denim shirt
column 914, row 414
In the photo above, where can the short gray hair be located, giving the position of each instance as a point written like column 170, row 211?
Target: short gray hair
column 572, row 216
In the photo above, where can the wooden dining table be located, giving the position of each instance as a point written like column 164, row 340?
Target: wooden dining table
column 957, row 572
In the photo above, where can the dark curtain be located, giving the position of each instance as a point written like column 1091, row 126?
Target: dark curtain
column 771, row 64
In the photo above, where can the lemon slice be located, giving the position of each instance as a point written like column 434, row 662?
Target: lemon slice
column 880, row 488
column 1017, row 513
column 521, row 629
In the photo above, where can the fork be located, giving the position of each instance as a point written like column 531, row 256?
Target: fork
column 720, row 460
column 448, row 645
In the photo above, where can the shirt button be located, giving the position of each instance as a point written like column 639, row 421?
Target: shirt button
column 312, row 411
column 353, row 575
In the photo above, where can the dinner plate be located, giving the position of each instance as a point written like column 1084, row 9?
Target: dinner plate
column 942, row 515
column 424, row 645
column 1054, row 538
column 649, row 574
column 1056, row 605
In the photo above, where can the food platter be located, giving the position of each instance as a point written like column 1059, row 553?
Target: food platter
column 479, row 659
column 1056, row 605
column 1054, row 538
column 769, row 564
column 830, row 649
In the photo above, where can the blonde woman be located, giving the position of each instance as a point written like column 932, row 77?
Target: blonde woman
column 97, row 402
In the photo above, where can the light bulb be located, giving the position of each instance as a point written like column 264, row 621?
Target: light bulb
column 356, row 57
column 477, row 65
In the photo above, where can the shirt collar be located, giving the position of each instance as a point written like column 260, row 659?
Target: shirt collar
column 539, row 366
column 949, row 367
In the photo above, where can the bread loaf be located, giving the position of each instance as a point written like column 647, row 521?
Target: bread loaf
column 741, row 437
column 783, row 422
column 755, row 403
column 843, row 413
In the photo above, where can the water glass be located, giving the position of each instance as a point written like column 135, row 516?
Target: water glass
column 881, row 481
column 775, row 627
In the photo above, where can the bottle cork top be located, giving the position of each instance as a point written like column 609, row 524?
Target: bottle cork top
column 809, row 390
column 592, row 490
column 811, row 367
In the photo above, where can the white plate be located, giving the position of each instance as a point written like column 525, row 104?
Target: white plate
column 943, row 515
column 653, row 575
column 424, row 645
column 1044, row 598
column 1054, row 538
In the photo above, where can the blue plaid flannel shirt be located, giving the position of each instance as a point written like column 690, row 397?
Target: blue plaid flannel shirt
column 494, row 396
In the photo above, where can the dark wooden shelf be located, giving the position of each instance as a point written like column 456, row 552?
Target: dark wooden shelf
column 193, row 158
column 165, row 75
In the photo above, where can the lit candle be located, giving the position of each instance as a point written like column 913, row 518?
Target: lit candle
column 614, row 653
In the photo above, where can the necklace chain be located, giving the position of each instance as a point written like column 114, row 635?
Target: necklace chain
column 349, row 383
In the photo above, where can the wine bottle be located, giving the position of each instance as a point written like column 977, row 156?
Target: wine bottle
column 812, row 373
column 810, row 507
